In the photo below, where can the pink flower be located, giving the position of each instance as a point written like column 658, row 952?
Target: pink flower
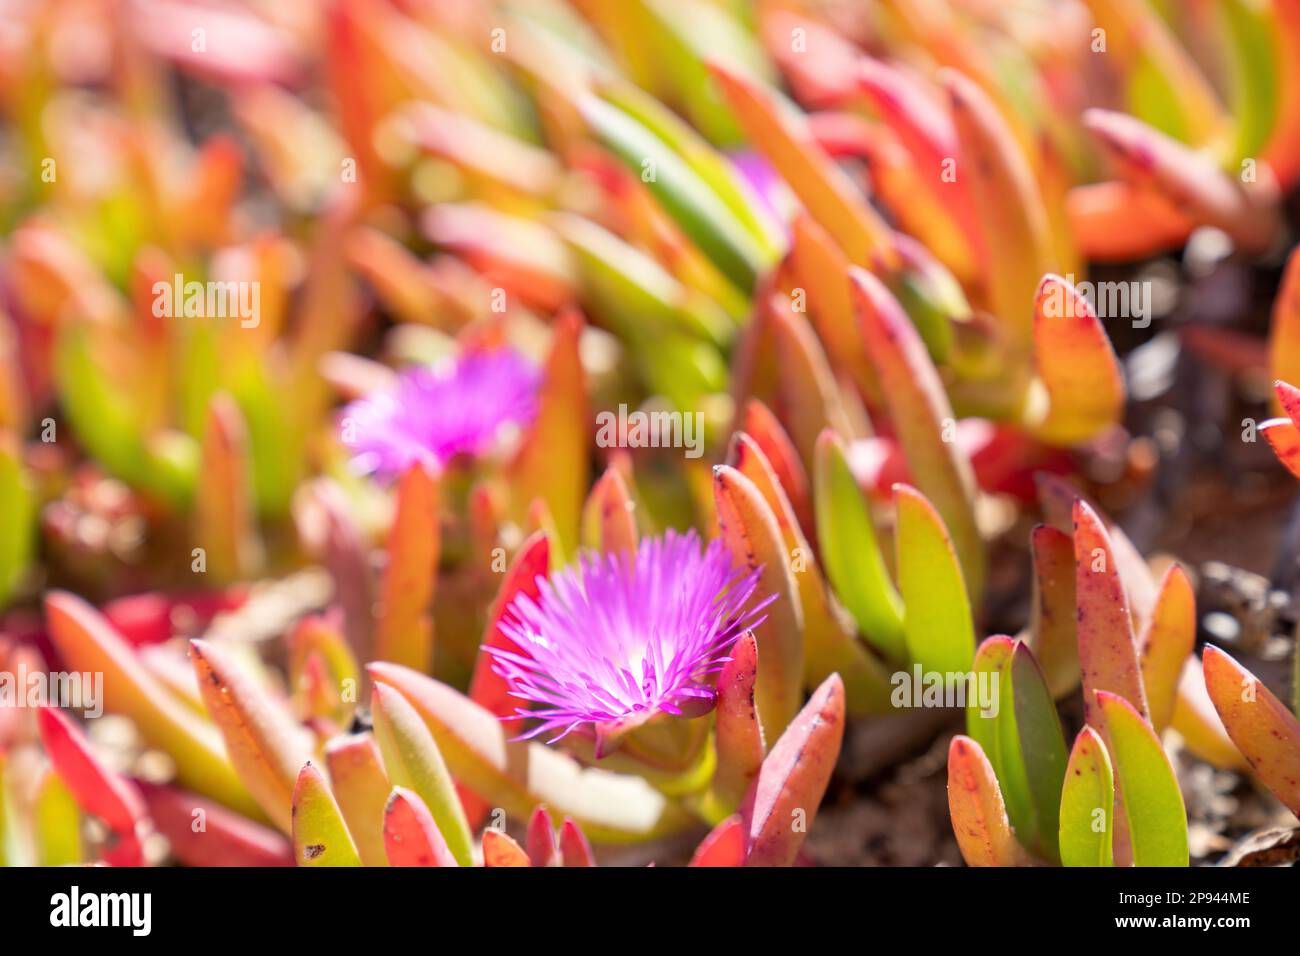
column 436, row 413
column 616, row 638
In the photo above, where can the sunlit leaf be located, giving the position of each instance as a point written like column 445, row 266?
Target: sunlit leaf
column 1052, row 629
column 517, row 776
column 809, row 400
column 413, row 760
column 1198, row 722
column 937, row 623
column 411, row 837
column 403, row 630
column 17, row 517
column 574, row 848
column 1087, row 802
column 1015, row 232
column 854, row 563
column 922, row 416
column 830, row 646
column 1260, row 725
column 543, row 850
column 738, row 733
column 1166, row 643
column 779, row 131
column 100, row 791
column 1077, row 366
column 320, row 837
column 225, row 838
column 56, row 821
column 361, row 787
column 793, row 778
column 609, row 517
column 267, row 749
column 1108, row 656
column 1282, row 149
column 720, row 176
column 724, row 845
column 687, row 198
column 1153, row 804
column 223, row 505
column 749, row 529
column 87, row 642
column 500, row 849
column 552, row 464
column 979, row 817
column 1188, row 179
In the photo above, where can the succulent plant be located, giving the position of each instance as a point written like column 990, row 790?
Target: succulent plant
column 316, row 326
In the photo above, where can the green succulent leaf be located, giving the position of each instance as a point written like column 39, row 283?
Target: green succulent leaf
column 688, row 199
column 853, row 559
column 1033, row 756
column 17, row 519
column 413, row 760
column 937, row 625
column 320, row 837
column 1153, row 803
column 1087, row 803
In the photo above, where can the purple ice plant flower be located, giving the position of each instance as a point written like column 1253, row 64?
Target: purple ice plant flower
column 619, row 638
column 436, row 413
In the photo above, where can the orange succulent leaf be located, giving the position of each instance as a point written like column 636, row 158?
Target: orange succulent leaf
column 1261, row 726
column 793, row 778
column 1108, row 655
column 500, row 849
column 1076, row 364
column 403, row 629
column 1166, row 643
column 265, row 745
column 1187, row 179
column 724, row 845
column 411, row 837
column 979, row 817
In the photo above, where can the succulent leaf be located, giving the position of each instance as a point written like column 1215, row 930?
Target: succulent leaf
column 413, row 761
column 1167, row 643
column 266, row 747
column 1145, row 780
column 320, row 837
column 922, row 416
column 361, row 787
column 518, row 776
column 979, row 817
column 87, row 642
column 937, row 623
column 793, row 779
column 1260, row 725
column 854, row 562
column 411, row 837
column 1108, row 656
column 1087, row 803
column 751, row 533
column 403, row 630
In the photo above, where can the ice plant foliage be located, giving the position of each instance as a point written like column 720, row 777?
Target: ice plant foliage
column 618, row 638
column 435, row 413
